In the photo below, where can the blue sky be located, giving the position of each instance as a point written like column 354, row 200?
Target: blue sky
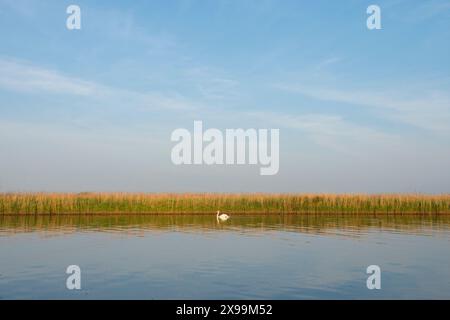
column 93, row 109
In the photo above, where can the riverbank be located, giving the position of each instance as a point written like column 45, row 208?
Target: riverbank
column 208, row 203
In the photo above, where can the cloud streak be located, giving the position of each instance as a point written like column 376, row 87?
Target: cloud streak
column 331, row 131
column 430, row 110
column 24, row 77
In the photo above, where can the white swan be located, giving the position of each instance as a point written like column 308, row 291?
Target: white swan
column 222, row 217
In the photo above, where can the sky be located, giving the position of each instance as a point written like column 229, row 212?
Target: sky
column 93, row 109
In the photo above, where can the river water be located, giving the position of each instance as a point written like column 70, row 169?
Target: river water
column 246, row 257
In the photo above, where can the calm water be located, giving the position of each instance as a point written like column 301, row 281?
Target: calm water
column 247, row 257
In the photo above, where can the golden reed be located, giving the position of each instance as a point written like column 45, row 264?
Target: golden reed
column 208, row 203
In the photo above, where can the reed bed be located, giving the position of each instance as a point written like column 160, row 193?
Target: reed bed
column 208, row 203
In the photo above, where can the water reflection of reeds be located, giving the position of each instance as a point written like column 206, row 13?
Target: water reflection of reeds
column 54, row 225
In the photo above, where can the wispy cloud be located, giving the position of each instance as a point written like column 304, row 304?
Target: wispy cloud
column 22, row 76
column 430, row 110
column 329, row 130
column 327, row 62
column 212, row 83
column 25, row 77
